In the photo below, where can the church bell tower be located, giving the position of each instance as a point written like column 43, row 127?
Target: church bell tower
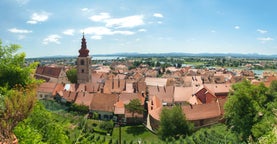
column 83, row 63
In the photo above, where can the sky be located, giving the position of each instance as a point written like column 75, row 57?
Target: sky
column 55, row 27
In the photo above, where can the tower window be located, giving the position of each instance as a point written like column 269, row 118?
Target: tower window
column 82, row 62
column 83, row 71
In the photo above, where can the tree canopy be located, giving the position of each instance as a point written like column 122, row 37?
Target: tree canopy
column 134, row 106
column 173, row 123
column 248, row 110
column 17, row 90
column 72, row 75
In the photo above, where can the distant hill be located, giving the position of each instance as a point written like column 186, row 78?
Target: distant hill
column 253, row 55
column 236, row 55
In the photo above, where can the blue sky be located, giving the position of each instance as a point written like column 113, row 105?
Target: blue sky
column 54, row 27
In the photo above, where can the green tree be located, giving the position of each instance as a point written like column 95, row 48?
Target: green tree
column 134, row 106
column 42, row 123
column 248, row 111
column 173, row 123
column 72, row 75
column 17, row 90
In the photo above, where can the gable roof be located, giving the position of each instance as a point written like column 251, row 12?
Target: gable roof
column 127, row 97
column 155, row 81
column 49, row 71
column 47, row 87
column 69, row 96
column 103, row 102
column 119, row 107
column 203, row 111
column 165, row 94
column 184, row 94
column 84, row 98
column 218, row 88
column 92, row 87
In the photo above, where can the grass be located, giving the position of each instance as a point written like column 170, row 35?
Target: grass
column 134, row 133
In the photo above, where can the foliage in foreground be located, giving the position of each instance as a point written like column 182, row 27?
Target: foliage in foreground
column 249, row 110
column 17, row 90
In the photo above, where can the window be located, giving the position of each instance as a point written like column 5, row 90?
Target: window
column 82, row 62
column 83, row 71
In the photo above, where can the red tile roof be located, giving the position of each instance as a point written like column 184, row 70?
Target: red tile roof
column 69, row 96
column 49, row 71
column 47, row 87
column 119, row 108
column 103, row 102
column 127, row 97
column 184, row 94
column 203, row 111
column 165, row 94
column 84, row 98
column 218, row 88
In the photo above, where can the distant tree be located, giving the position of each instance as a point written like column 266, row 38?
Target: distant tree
column 17, row 90
column 179, row 65
column 173, row 123
column 134, row 106
column 158, row 64
column 72, row 75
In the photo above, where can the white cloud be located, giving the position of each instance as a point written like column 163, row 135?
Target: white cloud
column 15, row 30
column 85, row 9
column 159, row 22
column 32, row 22
column 69, row 32
column 142, row 30
column 99, row 31
column 265, row 39
column 261, row 31
column 125, row 22
column 52, row 39
column 123, row 32
column 213, row 31
column 158, row 15
column 96, row 37
column 38, row 17
column 100, row 17
column 237, row 27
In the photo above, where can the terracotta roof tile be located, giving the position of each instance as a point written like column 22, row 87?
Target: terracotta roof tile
column 218, row 88
column 84, row 98
column 103, row 102
column 203, row 111
column 69, row 96
column 49, row 71
column 183, row 94
column 155, row 81
column 119, row 108
column 47, row 87
column 165, row 94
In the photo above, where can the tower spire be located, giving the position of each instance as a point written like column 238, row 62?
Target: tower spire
column 83, row 52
